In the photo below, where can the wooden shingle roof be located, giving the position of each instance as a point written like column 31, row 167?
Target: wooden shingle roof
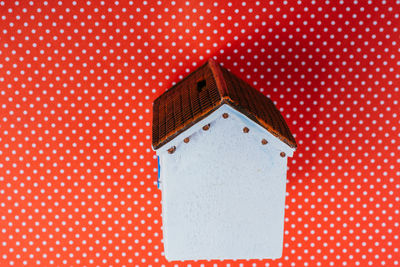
column 205, row 90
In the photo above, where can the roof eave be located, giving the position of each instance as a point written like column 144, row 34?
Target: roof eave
column 227, row 100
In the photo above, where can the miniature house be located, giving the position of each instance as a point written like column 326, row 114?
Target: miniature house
column 222, row 148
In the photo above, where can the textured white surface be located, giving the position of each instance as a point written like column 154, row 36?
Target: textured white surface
column 223, row 192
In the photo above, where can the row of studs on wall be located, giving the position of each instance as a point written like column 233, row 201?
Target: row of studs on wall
column 207, row 126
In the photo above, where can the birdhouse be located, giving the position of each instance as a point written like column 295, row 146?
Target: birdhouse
column 222, row 150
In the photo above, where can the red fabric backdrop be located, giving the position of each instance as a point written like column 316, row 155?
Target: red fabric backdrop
column 77, row 81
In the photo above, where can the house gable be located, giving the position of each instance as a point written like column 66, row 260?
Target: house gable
column 256, row 131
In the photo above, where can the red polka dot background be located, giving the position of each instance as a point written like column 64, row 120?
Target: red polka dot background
column 78, row 177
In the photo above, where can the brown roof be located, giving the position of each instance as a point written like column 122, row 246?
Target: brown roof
column 205, row 90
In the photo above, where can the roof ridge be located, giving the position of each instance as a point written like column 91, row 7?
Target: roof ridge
column 218, row 76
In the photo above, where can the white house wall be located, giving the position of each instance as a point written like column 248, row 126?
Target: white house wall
column 223, row 192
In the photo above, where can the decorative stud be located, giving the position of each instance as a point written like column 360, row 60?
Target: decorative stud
column 264, row 141
column 172, row 150
column 206, row 127
column 225, row 115
column 283, row 154
column 246, row 130
column 186, row 140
